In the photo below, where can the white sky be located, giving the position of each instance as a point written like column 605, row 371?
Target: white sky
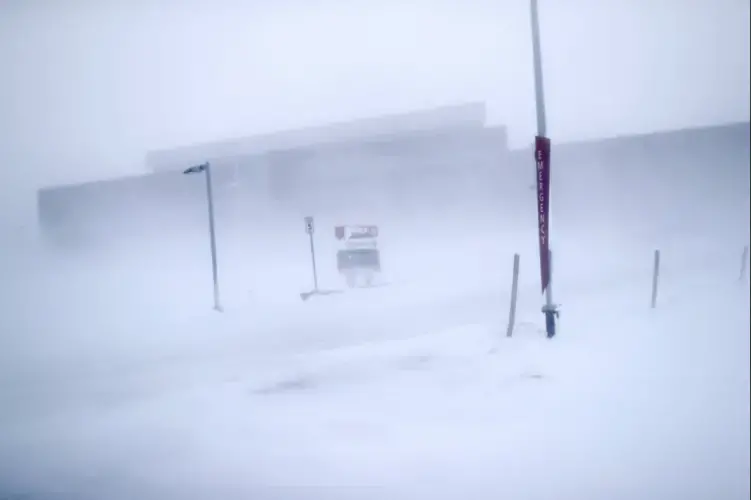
column 88, row 86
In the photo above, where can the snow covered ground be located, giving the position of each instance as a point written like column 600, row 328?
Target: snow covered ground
column 401, row 392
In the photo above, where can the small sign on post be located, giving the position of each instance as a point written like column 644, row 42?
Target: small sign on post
column 310, row 229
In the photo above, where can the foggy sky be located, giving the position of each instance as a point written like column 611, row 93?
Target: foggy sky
column 88, row 86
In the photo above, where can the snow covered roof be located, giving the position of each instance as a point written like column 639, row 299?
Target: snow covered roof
column 462, row 116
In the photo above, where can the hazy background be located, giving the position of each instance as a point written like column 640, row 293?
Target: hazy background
column 118, row 380
column 89, row 86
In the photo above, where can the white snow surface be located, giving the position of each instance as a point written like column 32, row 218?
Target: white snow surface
column 120, row 382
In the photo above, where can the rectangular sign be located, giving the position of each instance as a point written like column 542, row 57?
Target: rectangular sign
column 542, row 162
column 309, row 228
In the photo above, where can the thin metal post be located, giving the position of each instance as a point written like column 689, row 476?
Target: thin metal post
column 655, row 278
column 744, row 263
column 514, row 292
column 549, row 289
column 549, row 309
column 212, row 237
column 313, row 258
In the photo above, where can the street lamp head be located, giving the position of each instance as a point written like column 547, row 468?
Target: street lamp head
column 196, row 169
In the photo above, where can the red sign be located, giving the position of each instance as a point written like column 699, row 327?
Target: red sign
column 355, row 232
column 542, row 163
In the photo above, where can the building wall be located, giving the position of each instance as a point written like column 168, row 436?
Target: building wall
column 671, row 180
column 674, row 180
column 98, row 214
column 459, row 117
column 389, row 171
column 425, row 172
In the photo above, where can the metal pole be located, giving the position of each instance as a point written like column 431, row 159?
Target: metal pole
column 212, row 237
column 537, row 59
column 514, row 294
column 549, row 289
column 655, row 279
column 549, row 309
column 313, row 258
column 744, row 260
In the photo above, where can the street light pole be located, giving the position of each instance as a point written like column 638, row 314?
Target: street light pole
column 206, row 169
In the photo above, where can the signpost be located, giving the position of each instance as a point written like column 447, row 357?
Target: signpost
column 310, row 229
column 542, row 164
column 206, row 168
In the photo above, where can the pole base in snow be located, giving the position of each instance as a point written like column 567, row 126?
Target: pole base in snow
column 551, row 314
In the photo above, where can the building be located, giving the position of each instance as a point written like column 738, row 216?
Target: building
column 424, row 160
column 427, row 165
column 674, row 180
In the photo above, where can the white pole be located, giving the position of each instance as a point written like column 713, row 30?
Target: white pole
column 212, row 237
column 655, row 278
column 537, row 55
column 549, row 309
column 549, row 289
column 744, row 263
column 514, row 292
column 313, row 262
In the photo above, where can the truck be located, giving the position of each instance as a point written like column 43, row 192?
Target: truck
column 358, row 258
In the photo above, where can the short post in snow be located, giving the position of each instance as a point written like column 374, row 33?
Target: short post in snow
column 514, row 293
column 655, row 278
column 206, row 169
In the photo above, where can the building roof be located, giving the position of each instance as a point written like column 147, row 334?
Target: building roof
column 471, row 115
